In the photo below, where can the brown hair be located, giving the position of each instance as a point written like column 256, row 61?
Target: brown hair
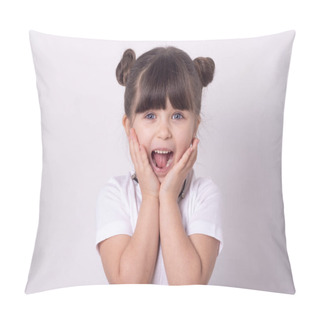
column 163, row 73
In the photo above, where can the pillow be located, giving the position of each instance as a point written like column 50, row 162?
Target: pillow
column 84, row 144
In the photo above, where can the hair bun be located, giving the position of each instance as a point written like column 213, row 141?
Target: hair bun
column 124, row 66
column 205, row 68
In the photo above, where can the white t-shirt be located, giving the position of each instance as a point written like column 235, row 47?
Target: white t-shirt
column 119, row 202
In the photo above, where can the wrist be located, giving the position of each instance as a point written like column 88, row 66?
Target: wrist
column 150, row 197
column 168, row 197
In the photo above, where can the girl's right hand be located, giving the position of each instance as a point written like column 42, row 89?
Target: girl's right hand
column 148, row 181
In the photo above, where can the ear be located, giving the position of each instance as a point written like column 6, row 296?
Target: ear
column 126, row 124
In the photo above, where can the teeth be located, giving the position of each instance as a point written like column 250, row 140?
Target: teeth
column 162, row 151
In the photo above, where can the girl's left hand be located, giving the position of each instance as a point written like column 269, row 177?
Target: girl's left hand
column 172, row 184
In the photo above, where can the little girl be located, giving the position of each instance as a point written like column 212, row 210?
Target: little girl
column 160, row 224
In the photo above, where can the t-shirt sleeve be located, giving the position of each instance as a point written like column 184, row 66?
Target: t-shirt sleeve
column 112, row 212
column 206, row 216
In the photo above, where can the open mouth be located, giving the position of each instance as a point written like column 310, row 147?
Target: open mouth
column 162, row 158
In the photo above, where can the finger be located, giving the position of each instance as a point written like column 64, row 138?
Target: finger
column 194, row 153
column 194, row 143
column 139, row 152
column 144, row 156
column 194, row 146
column 133, row 148
column 190, row 155
column 134, row 136
column 135, row 140
column 136, row 145
column 185, row 157
column 133, row 155
column 192, row 150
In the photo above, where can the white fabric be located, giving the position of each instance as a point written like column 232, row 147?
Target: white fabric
column 84, row 145
column 120, row 199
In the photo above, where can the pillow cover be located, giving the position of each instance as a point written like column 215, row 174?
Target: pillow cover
column 84, row 144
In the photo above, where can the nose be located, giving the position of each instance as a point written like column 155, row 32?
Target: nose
column 164, row 131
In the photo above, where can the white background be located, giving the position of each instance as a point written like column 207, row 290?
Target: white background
column 21, row 154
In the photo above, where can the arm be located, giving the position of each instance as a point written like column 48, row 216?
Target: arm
column 132, row 259
column 188, row 260
column 128, row 259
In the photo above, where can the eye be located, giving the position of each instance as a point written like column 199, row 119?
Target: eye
column 150, row 116
column 177, row 116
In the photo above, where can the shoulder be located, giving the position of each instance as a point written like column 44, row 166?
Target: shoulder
column 113, row 214
column 204, row 210
column 203, row 186
column 204, row 193
column 114, row 197
column 116, row 186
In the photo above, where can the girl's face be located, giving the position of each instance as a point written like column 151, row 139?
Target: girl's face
column 165, row 134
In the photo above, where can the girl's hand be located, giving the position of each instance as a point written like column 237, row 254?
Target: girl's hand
column 172, row 184
column 148, row 181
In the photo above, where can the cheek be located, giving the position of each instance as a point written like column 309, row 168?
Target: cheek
column 187, row 138
column 142, row 135
column 184, row 144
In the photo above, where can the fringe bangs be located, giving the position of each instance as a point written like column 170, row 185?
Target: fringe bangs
column 165, row 78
